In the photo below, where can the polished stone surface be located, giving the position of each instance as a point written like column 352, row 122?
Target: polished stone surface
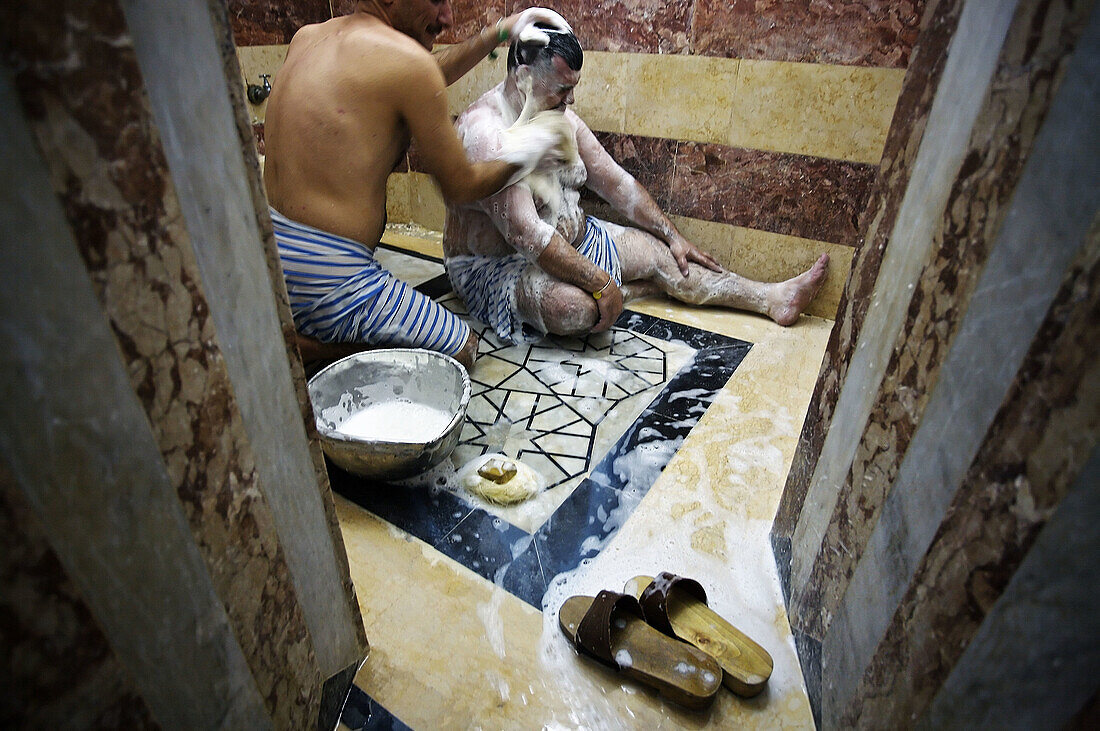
column 797, row 195
column 874, row 33
column 471, row 17
column 266, row 22
column 871, row 33
column 689, row 485
column 837, row 112
column 637, row 26
column 597, row 418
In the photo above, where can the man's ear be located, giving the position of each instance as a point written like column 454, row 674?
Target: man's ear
column 523, row 74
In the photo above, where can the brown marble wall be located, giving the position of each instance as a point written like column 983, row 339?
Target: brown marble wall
column 634, row 26
column 955, row 586
column 472, row 17
column 60, row 671
column 268, row 23
column 1039, row 440
column 92, row 123
column 797, row 195
column 873, row 33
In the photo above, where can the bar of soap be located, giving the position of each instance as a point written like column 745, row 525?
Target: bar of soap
column 497, row 470
column 499, row 479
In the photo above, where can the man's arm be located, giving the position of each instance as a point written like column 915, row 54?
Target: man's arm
column 607, row 179
column 457, row 60
column 421, row 100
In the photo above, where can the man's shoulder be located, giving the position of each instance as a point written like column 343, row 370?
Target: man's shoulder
column 383, row 42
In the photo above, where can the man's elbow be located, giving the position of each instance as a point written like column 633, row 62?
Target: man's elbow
column 482, row 181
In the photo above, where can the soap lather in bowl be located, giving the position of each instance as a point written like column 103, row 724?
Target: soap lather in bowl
column 389, row 414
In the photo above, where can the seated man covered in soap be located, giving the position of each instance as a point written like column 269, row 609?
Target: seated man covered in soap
column 352, row 93
column 527, row 261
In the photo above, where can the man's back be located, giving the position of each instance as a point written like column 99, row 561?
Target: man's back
column 333, row 128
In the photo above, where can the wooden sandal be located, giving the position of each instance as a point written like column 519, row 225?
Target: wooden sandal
column 611, row 629
column 678, row 607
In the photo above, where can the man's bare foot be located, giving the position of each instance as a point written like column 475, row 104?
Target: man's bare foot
column 788, row 299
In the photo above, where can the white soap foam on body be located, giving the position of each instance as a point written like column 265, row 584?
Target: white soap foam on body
column 396, row 421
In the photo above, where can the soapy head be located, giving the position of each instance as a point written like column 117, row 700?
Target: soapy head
column 528, row 48
column 535, row 24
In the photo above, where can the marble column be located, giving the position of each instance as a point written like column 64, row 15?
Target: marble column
column 156, row 435
column 988, row 254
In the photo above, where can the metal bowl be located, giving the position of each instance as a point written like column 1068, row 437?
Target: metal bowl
column 353, row 383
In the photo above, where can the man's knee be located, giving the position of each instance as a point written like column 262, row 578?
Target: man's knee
column 569, row 311
column 468, row 353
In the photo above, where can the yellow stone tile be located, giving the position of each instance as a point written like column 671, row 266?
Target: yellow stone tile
column 398, row 209
column 426, row 205
column 449, row 649
column 256, row 60
column 770, row 257
column 840, row 112
column 476, row 82
column 681, row 97
column 412, row 237
column 606, row 81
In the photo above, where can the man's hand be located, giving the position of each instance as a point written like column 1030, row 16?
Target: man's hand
column 684, row 251
column 610, row 306
column 312, row 350
column 522, row 25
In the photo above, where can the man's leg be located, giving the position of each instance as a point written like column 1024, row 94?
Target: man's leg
column 647, row 260
column 554, row 306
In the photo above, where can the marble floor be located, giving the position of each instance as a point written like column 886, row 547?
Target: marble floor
column 664, row 445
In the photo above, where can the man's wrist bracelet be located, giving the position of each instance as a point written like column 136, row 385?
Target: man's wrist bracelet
column 502, row 36
column 599, row 292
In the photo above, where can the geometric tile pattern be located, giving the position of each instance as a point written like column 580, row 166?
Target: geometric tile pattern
column 588, row 407
column 557, row 405
column 551, row 397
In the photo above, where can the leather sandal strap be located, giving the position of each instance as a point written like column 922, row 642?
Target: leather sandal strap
column 594, row 631
column 654, row 599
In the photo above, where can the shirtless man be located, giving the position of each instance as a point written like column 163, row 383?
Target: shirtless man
column 527, row 261
column 352, row 93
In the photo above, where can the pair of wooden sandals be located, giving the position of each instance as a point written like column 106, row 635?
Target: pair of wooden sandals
column 662, row 633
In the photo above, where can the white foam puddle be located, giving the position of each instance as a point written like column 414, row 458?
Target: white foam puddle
column 639, row 468
column 489, row 614
column 396, row 421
